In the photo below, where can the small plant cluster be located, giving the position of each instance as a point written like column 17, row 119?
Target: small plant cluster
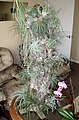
column 41, row 32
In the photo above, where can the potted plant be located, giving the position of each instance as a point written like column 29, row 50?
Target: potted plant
column 41, row 32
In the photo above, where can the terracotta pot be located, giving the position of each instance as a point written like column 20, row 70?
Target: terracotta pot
column 13, row 111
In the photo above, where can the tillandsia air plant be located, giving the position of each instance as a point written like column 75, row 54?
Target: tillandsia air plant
column 40, row 31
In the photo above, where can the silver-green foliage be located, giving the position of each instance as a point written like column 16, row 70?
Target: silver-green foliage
column 41, row 32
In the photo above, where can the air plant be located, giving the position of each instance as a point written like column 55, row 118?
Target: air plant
column 40, row 30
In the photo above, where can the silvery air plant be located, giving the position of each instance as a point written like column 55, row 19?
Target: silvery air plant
column 40, row 32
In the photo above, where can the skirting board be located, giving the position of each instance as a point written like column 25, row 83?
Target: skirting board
column 75, row 61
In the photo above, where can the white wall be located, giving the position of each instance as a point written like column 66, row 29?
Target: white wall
column 75, row 40
column 9, row 39
column 66, row 16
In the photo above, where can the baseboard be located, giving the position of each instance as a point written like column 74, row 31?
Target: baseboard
column 75, row 61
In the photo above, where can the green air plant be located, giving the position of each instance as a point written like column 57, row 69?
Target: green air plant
column 41, row 32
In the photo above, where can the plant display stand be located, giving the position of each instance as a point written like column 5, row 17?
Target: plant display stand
column 40, row 31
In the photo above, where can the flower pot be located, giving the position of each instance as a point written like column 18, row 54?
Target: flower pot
column 14, row 113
